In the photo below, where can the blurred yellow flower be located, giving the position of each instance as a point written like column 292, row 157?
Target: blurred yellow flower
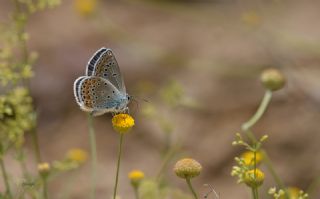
column 44, row 168
column 293, row 192
column 136, row 175
column 248, row 158
column 122, row 123
column 254, row 178
column 251, row 18
column 85, row 7
column 77, row 155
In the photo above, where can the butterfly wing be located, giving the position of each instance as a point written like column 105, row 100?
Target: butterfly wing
column 107, row 67
column 93, row 60
column 76, row 89
column 97, row 95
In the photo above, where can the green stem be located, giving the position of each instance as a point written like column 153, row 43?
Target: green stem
column 5, row 178
column 36, row 147
column 269, row 165
column 93, row 149
column 262, row 108
column 118, row 167
column 255, row 189
column 256, row 195
column 45, row 187
column 166, row 160
column 136, row 193
column 253, row 193
column 191, row 188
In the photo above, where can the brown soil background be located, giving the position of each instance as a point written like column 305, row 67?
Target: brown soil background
column 214, row 55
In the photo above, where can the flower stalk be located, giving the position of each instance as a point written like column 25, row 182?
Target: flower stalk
column 246, row 128
column 261, row 110
column 188, row 180
column 118, row 166
column 93, row 148
column 5, row 178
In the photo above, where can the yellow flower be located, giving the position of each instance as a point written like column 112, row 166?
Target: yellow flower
column 85, row 7
column 77, row 155
column 135, row 177
column 122, row 123
column 254, row 178
column 44, row 168
column 187, row 168
column 293, row 192
column 248, row 158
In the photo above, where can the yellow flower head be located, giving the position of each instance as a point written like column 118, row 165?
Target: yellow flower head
column 122, row 123
column 254, row 178
column 248, row 158
column 293, row 193
column 187, row 168
column 136, row 176
column 77, row 155
column 44, row 168
column 85, row 7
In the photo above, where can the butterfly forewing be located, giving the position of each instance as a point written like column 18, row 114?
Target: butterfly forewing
column 93, row 60
column 107, row 68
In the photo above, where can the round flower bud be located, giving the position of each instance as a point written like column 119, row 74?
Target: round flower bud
column 272, row 79
column 254, row 178
column 187, row 168
column 122, row 123
column 135, row 177
column 77, row 155
column 44, row 168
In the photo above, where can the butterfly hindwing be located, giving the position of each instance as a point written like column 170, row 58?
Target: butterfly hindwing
column 76, row 89
column 97, row 95
column 107, row 68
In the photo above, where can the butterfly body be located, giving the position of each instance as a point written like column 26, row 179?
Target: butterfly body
column 102, row 90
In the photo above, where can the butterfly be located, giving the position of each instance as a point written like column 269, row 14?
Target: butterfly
column 102, row 89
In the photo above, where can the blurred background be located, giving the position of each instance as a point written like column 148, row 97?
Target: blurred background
column 197, row 63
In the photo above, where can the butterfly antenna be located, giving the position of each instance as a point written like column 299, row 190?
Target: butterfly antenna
column 211, row 191
column 135, row 102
